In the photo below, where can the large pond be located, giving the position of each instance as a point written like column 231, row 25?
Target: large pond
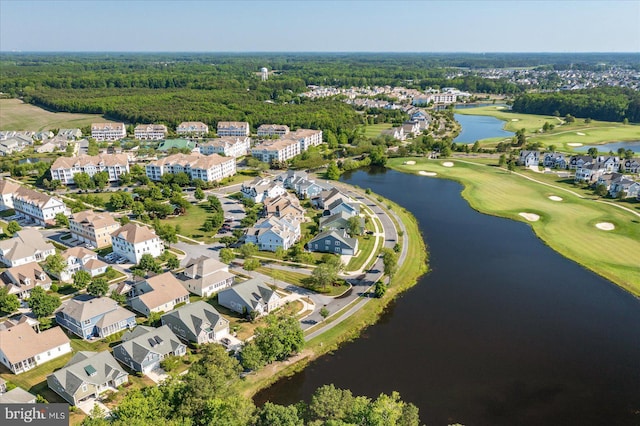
column 477, row 127
column 613, row 146
column 502, row 331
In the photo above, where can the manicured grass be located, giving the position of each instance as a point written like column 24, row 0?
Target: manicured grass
column 192, row 221
column 366, row 244
column 7, row 213
column 373, row 130
column 567, row 226
column 35, row 380
column 16, row 115
column 302, row 280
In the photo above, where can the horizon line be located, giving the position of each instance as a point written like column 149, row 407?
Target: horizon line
column 315, row 52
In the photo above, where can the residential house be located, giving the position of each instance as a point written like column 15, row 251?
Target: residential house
column 609, row 163
column 554, row 160
column 290, row 178
column 158, row 294
column 261, row 188
column 70, row 134
column 607, row 178
column 339, row 221
column 577, row 161
column 529, row 158
column 65, row 168
column 197, row 322
column 209, row 168
column 94, row 317
column 143, row 348
column 624, row 187
column 17, row 396
column 169, row 144
column 9, row 146
column 273, row 232
column 249, row 296
column 333, row 241
column 395, row 132
column 435, row 98
column 205, row 276
column 93, row 228
column 22, row 348
column 411, row 129
column 43, row 135
column 38, row 207
column 233, row 128
column 310, row 189
column 229, row 146
column 631, row 165
column 80, row 258
column 192, row 128
column 108, row 131
column 276, row 150
column 7, row 189
column 588, row 173
column 132, row 241
column 20, row 280
column 28, row 245
column 342, row 205
column 327, row 198
column 150, row 132
column 284, row 205
column 87, row 375
column 273, row 130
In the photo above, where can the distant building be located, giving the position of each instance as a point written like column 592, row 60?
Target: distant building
column 233, row 128
column 192, row 128
column 70, row 134
column 65, row 168
column 230, row 146
column 209, row 168
column 108, row 131
column 132, row 241
column 150, row 131
column 273, row 130
column 276, row 150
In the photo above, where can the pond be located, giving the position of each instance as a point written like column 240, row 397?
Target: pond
column 502, row 331
column 477, row 127
column 613, row 146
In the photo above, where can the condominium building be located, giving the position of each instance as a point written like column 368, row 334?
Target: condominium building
column 150, row 131
column 230, row 146
column 192, row 128
column 65, row 168
column 37, row 207
column 273, row 130
column 132, row 241
column 278, row 150
column 209, row 168
column 233, row 128
column 306, row 138
column 93, row 228
column 108, row 131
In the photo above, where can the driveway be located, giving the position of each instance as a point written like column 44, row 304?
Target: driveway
column 158, row 375
column 87, row 405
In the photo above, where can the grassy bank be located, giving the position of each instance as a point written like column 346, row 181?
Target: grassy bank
column 408, row 273
column 567, row 226
column 593, row 133
column 16, row 115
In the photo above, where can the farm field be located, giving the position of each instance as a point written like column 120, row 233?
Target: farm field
column 16, row 115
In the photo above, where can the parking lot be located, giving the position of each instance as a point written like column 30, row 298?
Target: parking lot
column 116, row 258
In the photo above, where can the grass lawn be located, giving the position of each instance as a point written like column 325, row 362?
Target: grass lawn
column 302, row 280
column 596, row 132
column 366, row 244
column 373, row 130
column 567, row 226
column 7, row 213
column 35, row 380
column 16, row 115
column 191, row 223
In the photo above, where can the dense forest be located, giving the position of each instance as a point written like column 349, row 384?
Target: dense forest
column 604, row 103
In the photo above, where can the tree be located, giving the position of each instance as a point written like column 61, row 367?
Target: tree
column 199, row 194
column 324, row 275
column 98, row 287
column 502, row 161
column 81, row 279
column 390, row 261
column 278, row 415
column 226, row 255
column 476, row 147
column 41, row 303
column 137, row 208
column 280, row 253
column 251, row 264
column 601, row 190
column 124, row 220
column 593, row 152
column 281, row 338
column 354, row 225
column 248, row 250
column 173, row 263
column 181, row 179
column 333, row 172
column 324, row 313
column 62, row 220
column 12, row 228
column 148, row 263
column 83, row 181
column 9, row 303
column 55, row 264
column 378, row 156
column 101, row 179
column 380, row 289
column 251, row 357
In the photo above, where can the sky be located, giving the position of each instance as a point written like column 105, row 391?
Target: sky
column 320, row 26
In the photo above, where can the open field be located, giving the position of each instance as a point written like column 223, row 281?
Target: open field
column 567, row 226
column 373, row 130
column 596, row 132
column 192, row 221
column 16, row 115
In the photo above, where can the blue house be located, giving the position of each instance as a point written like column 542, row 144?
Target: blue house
column 334, row 241
column 94, row 317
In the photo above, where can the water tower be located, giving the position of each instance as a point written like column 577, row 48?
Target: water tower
column 264, row 72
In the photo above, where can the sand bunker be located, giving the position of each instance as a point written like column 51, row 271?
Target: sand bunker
column 409, row 163
column 605, row 226
column 500, row 107
column 423, row 173
column 579, row 133
column 574, row 144
column 447, row 164
column 531, row 217
column 555, row 198
column 515, row 119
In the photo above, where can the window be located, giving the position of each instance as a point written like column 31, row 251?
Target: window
column 84, row 388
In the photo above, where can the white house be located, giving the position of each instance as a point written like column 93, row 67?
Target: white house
column 205, row 276
column 230, row 146
column 108, row 131
column 28, row 245
column 260, row 188
column 273, row 232
column 209, row 168
column 529, row 158
column 22, row 348
column 132, row 241
column 80, row 258
column 306, row 138
column 7, row 189
column 273, row 130
column 150, row 132
column 38, row 207
column 233, row 128
column 65, row 168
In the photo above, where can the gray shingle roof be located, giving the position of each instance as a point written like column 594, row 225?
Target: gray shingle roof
column 142, row 340
column 196, row 317
column 74, row 374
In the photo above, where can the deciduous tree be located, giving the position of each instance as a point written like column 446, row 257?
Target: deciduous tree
column 41, row 303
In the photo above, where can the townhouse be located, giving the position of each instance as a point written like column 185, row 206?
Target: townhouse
column 233, row 128
column 229, row 146
column 93, row 228
column 108, row 131
column 150, row 132
column 65, row 168
column 209, row 168
column 192, row 128
column 38, row 207
column 131, row 241
column 70, row 134
column 7, row 189
column 21, row 279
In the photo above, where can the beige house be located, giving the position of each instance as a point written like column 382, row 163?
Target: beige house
column 229, row 146
column 65, row 168
column 22, row 348
column 205, row 276
column 192, row 128
column 273, row 130
column 20, row 280
column 276, row 150
column 233, row 128
column 93, row 228
column 158, row 294
column 150, row 131
column 108, row 131
column 7, row 189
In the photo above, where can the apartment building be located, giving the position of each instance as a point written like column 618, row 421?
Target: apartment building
column 279, row 150
column 108, row 131
column 209, row 168
column 132, row 241
column 93, row 228
column 233, row 128
column 230, row 146
column 65, row 168
column 37, row 207
column 273, row 130
column 192, row 128
column 150, row 132
column 306, row 138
